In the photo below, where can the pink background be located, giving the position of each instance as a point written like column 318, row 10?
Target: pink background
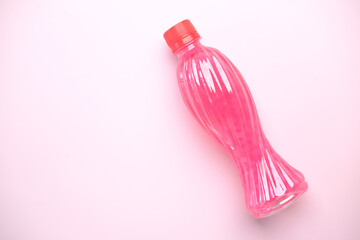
column 96, row 143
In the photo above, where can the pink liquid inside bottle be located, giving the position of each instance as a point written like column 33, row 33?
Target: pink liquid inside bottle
column 218, row 97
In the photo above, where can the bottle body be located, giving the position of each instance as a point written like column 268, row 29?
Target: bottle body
column 218, row 97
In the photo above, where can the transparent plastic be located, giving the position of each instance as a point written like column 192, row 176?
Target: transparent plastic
column 218, row 97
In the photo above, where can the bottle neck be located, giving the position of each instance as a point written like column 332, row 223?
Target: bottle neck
column 188, row 47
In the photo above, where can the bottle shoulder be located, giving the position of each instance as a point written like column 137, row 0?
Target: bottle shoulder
column 200, row 52
column 205, row 59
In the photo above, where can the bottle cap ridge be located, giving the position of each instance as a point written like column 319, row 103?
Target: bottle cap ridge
column 180, row 34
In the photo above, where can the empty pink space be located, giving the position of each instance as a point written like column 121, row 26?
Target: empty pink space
column 96, row 142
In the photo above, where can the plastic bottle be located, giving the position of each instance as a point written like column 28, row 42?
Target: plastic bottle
column 218, row 97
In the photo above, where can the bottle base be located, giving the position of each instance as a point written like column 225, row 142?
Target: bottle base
column 281, row 203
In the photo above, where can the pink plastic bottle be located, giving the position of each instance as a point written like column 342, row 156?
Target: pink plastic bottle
column 218, row 97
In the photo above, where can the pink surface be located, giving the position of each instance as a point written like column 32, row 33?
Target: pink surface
column 96, row 143
column 217, row 95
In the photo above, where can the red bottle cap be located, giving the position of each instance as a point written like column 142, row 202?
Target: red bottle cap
column 180, row 34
